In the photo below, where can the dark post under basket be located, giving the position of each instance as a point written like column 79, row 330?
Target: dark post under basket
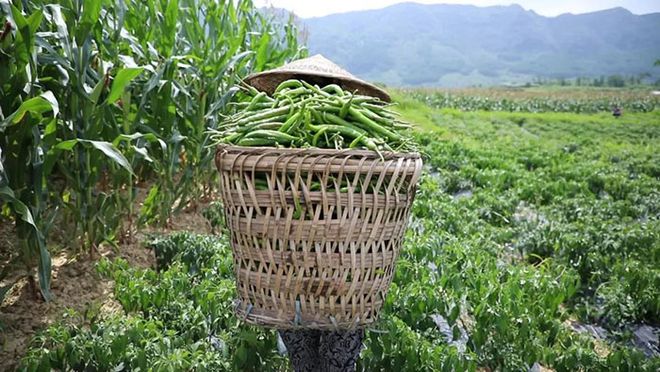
column 315, row 245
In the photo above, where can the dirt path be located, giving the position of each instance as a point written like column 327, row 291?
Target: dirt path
column 75, row 285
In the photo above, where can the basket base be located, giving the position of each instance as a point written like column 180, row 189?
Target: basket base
column 267, row 319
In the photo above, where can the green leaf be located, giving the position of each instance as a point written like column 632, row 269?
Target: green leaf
column 23, row 212
column 149, row 205
column 44, row 266
column 262, row 52
column 453, row 315
column 38, row 105
column 121, row 81
column 91, row 11
column 54, row 105
column 169, row 25
column 66, row 145
column 111, row 151
column 34, row 20
column 7, row 194
column 105, row 147
column 149, row 137
column 62, row 29
column 143, row 152
column 24, row 38
column 19, row 19
column 90, row 15
column 96, row 92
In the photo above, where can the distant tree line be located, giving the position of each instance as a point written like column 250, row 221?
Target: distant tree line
column 614, row 81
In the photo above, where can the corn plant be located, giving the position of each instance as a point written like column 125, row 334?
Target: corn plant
column 100, row 96
column 214, row 45
column 22, row 152
column 93, row 168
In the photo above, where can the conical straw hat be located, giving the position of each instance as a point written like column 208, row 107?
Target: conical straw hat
column 314, row 70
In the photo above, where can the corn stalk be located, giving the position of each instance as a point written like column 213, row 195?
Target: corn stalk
column 100, row 97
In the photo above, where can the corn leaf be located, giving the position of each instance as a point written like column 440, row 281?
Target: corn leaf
column 38, row 105
column 62, row 30
column 111, row 152
column 123, row 78
column 106, row 148
column 23, row 212
column 90, row 15
column 169, row 25
column 23, row 37
column 91, row 11
column 262, row 51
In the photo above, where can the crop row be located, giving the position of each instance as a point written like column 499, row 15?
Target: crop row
column 520, row 101
column 520, row 236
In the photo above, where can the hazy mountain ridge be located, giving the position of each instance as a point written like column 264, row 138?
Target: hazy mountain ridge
column 442, row 44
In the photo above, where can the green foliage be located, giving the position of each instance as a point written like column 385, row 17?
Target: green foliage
column 517, row 100
column 23, row 153
column 96, row 96
column 516, row 229
column 180, row 318
column 194, row 251
column 214, row 215
column 628, row 294
column 523, row 224
column 122, row 343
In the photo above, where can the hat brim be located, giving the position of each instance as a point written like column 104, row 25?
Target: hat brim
column 268, row 81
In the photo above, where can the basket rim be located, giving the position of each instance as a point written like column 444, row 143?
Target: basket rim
column 265, row 150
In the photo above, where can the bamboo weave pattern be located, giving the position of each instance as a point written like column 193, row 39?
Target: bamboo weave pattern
column 315, row 233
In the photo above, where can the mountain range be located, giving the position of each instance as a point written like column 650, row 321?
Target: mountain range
column 411, row 44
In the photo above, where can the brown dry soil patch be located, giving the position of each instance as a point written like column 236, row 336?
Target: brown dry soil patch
column 75, row 285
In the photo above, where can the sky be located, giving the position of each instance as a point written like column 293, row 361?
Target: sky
column 317, row 8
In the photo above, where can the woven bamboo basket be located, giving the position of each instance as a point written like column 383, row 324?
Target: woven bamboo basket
column 315, row 233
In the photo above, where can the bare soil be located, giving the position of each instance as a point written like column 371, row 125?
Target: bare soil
column 75, row 285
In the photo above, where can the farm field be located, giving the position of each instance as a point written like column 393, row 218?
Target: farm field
column 534, row 240
column 540, row 99
column 533, row 243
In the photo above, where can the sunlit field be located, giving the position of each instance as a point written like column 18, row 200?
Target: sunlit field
column 533, row 242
